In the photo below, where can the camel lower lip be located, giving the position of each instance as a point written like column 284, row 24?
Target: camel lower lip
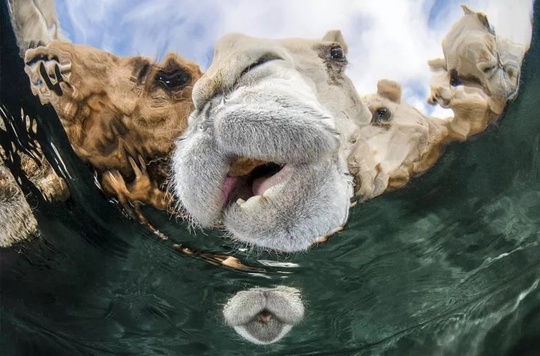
column 228, row 186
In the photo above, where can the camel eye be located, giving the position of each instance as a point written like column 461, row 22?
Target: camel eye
column 488, row 69
column 337, row 53
column 172, row 80
column 381, row 115
column 454, row 78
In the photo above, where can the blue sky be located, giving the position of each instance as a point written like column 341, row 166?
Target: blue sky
column 390, row 39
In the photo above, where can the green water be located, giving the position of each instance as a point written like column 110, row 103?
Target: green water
column 448, row 266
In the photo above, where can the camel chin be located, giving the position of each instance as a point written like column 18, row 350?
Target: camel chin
column 265, row 152
column 473, row 109
column 264, row 315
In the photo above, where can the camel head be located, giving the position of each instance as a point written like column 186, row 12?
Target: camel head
column 120, row 114
column 265, row 152
column 475, row 54
column 400, row 142
column 113, row 108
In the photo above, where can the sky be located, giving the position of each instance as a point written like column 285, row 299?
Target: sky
column 391, row 39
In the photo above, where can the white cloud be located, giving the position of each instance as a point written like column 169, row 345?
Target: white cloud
column 390, row 39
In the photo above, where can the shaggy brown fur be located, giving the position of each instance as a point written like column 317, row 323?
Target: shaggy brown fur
column 120, row 114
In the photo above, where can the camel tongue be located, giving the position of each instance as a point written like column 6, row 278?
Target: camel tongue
column 262, row 184
column 243, row 165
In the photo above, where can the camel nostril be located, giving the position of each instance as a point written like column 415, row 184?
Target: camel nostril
column 268, row 57
column 265, row 316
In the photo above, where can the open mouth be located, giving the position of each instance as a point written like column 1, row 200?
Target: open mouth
column 252, row 181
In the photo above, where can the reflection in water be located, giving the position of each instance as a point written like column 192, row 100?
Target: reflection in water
column 24, row 156
column 16, row 220
column 21, row 156
column 264, row 315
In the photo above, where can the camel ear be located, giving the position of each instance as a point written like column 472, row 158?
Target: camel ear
column 336, row 36
column 437, row 64
column 484, row 20
column 389, row 89
column 467, row 10
column 481, row 17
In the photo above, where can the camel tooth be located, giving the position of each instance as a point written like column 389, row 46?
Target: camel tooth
column 240, row 201
column 272, row 191
column 253, row 201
